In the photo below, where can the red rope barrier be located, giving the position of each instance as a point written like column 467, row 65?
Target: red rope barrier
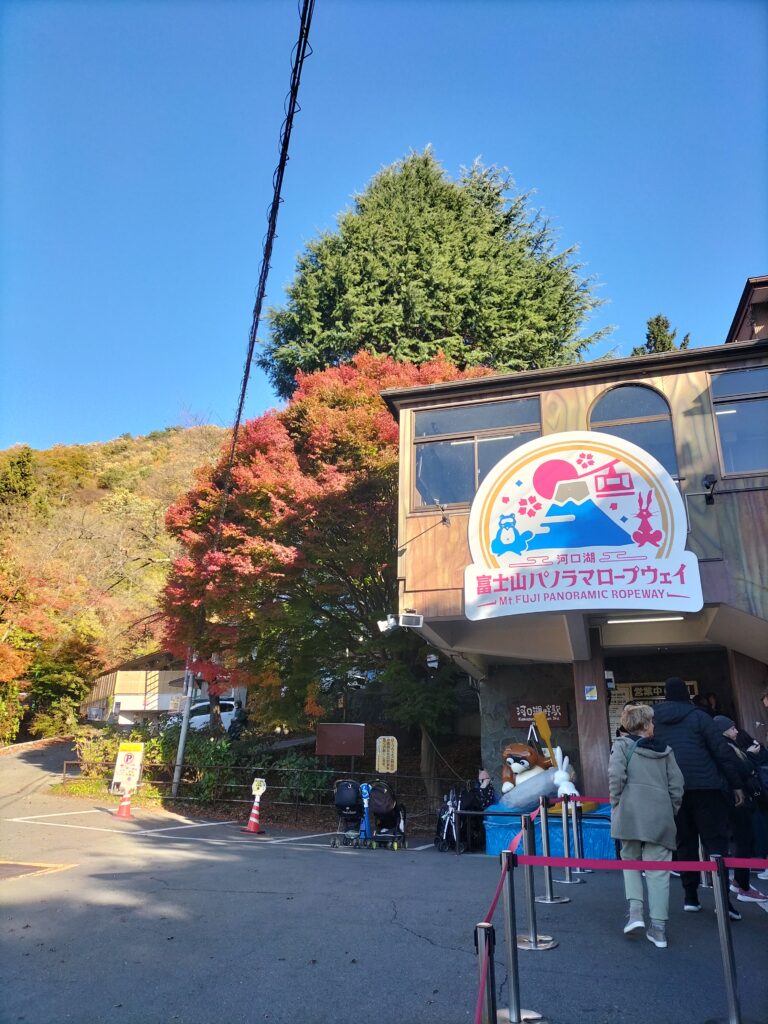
column 640, row 865
column 495, row 900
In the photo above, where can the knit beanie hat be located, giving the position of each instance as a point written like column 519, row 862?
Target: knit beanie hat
column 722, row 722
column 675, row 689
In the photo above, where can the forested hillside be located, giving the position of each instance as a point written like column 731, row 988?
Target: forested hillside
column 83, row 556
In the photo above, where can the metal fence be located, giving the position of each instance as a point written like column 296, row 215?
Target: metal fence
column 296, row 788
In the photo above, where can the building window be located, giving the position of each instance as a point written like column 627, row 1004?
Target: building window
column 640, row 415
column 740, row 400
column 456, row 446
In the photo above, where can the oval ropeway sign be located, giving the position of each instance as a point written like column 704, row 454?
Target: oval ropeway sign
column 579, row 521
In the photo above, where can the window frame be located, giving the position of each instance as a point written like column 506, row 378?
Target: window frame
column 714, row 402
column 495, row 433
column 629, row 420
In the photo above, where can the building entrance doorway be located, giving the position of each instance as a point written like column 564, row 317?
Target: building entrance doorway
column 640, row 676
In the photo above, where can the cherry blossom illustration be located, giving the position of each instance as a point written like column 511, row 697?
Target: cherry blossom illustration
column 528, row 506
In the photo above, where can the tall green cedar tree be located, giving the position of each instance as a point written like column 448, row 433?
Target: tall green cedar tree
column 423, row 264
column 306, row 564
column 659, row 337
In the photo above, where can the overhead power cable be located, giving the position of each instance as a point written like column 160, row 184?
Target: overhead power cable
column 301, row 51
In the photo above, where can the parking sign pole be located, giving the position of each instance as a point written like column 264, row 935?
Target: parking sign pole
column 188, row 686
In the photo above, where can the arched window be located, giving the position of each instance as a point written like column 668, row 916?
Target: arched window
column 641, row 415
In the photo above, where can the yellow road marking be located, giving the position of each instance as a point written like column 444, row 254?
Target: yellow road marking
column 35, row 869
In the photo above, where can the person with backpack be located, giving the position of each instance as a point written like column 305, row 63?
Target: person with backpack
column 646, row 791
column 711, row 780
column 741, row 817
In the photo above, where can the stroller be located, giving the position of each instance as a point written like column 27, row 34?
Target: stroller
column 448, row 828
column 389, row 817
column 353, row 826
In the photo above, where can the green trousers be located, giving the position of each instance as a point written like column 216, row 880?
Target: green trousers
column 657, row 881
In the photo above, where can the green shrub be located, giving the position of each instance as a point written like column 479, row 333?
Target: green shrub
column 11, row 712
column 302, row 777
column 58, row 720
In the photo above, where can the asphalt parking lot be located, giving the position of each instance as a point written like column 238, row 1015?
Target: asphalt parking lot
column 168, row 918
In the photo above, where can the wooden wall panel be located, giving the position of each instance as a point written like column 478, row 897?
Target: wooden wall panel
column 592, row 719
column 749, row 678
column 435, row 555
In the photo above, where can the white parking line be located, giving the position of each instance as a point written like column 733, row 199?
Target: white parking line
column 60, row 824
column 295, row 839
column 41, row 819
column 175, row 828
column 60, row 814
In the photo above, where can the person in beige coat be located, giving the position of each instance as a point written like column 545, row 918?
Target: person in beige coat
column 646, row 790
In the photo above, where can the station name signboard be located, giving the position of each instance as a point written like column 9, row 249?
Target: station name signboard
column 578, row 521
column 522, row 714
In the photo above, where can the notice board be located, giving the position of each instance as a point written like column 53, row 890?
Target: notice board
column 337, row 739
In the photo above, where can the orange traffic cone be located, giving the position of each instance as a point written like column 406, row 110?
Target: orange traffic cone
column 253, row 821
column 124, row 810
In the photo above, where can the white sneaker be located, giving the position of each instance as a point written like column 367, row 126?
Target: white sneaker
column 763, row 875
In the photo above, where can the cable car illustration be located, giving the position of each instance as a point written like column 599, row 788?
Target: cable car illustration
column 609, row 482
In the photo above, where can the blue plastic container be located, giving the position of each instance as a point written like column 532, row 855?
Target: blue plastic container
column 596, row 834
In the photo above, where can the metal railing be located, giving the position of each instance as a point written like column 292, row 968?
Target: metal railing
column 286, row 787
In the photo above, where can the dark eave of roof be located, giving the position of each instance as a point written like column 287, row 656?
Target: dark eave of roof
column 629, row 368
column 753, row 283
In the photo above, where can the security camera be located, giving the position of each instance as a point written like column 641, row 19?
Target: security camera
column 388, row 625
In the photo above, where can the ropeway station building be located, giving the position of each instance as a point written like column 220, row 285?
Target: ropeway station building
column 573, row 536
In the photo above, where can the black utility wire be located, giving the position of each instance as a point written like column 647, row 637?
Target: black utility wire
column 301, row 51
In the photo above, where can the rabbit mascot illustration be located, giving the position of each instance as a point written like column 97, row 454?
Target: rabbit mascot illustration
column 527, row 775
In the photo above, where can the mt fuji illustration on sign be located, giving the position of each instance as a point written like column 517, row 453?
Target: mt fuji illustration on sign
column 578, row 520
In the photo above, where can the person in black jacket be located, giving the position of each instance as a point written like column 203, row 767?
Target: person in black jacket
column 741, row 817
column 712, row 783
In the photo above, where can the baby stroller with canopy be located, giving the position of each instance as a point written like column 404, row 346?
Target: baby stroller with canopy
column 389, row 817
column 353, row 826
column 448, row 829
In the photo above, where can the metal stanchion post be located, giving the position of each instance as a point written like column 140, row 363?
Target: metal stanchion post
column 510, row 933
column 485, row 942
column 549, row 896
column 568, row 878
column 720, row 885
column 705, row 880
column 532, row 940
column 577, row 845
column 516, row 1014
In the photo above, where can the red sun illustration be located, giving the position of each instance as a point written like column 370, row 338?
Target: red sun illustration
column 548, row 475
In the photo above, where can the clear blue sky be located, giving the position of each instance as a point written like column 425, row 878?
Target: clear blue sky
column 139, row 139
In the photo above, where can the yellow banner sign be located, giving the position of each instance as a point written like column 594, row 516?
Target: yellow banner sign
column 386, row 754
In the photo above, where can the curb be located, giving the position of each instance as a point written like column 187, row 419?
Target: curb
column 31, row 745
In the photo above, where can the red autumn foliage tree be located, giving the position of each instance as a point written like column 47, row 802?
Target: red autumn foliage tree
column 306, row 560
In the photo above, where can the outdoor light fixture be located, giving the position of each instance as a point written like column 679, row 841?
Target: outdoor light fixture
column 412, row 621
column 406, row 621
column 709, row 483
column 655, row 618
